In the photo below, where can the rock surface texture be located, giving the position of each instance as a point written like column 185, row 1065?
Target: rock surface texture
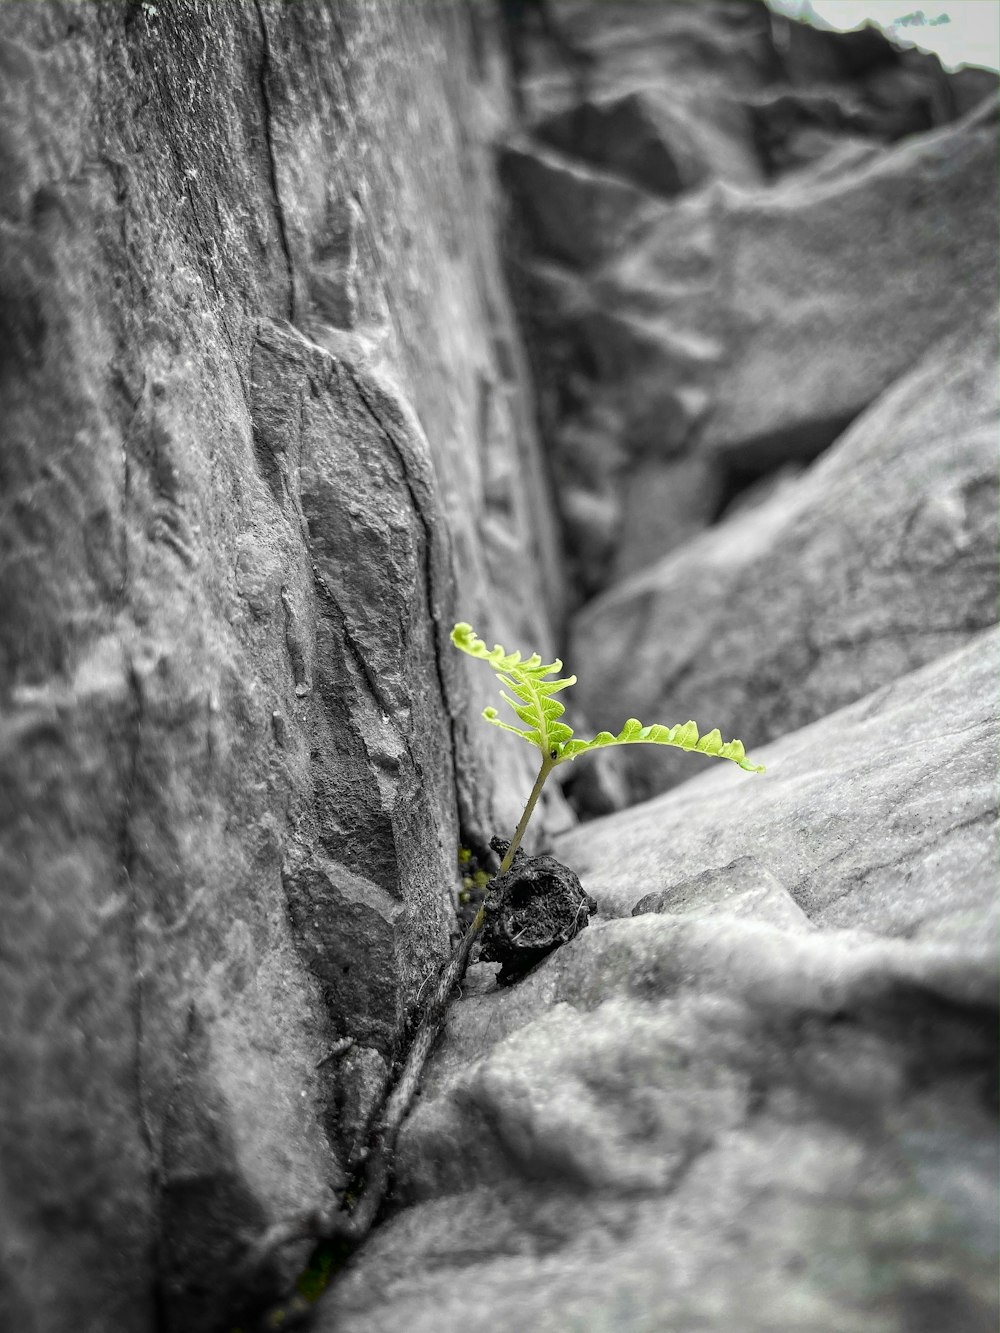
column 728, row 249
column 879, row 557
column 759, row 1091
column 267, row 435
column 269, row 430
column 762, row 1098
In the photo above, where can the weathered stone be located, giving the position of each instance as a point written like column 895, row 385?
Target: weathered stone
column 878, row 558
column 570, row 211
column 777, row 270
column 899, row 846
column 747, row 1108
column 733, row 319
column 362, row 1077
column 645, row 137
column 598, row 787
column 718, row 48
column 883, row 90
column 267, row 432
column 260, row 385
column 743, row 888
column 901, row 285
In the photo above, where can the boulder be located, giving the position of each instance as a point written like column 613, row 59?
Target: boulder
column 569, row 211
column 845, row 321
column 873, row 817
column 268, row 431
column 765, row 1099
column 648, row 137
column 730, row 291
column 810, row 213
column 260, row 385
column 877, row 558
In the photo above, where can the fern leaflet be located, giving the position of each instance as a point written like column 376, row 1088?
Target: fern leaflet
column 534, row 705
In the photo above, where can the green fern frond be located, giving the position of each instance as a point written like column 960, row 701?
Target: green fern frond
column 683, row 737
column 534, row 705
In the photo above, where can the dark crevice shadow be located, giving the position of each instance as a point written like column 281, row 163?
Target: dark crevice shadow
column 765, row 457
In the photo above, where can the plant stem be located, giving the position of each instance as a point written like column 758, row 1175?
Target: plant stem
column 515, row 842
column 397, row 1104
column 350, row 1227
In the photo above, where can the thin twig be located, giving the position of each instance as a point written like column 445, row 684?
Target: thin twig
column 354, row 1226
column 348, row 1227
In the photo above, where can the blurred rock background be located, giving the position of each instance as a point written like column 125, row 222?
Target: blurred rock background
column 662, row 334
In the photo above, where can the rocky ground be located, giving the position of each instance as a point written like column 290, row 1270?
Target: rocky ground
column 665, row 338
column 759, row 1091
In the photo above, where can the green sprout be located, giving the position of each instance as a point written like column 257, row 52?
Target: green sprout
column 532, row 690
column 534, row 705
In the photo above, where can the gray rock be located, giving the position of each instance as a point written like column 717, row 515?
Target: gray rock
column 742, row 888
column 769, row 1103
column 874, row 817
column 876, row 559
column 268, row 431
column 260, row 387
column 921, row 248
column 802, row 230
column 738, row 321
column 662, row 146
column 570, row 211
column 598, row 787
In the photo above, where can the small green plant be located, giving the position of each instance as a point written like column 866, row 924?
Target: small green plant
column 534, row 705
column 473, row 878
column 532, row 690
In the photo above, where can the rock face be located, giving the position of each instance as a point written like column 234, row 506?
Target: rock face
column 715, row 291
column 269, row 431
column 903, row 776
column 878, row 558
column 763, row 1098
column 761, row 1095
column 260, row 386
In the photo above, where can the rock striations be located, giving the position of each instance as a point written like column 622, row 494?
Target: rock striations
column 757, row 268
column 269, row 429
column 763, row 1095
column 727, row 251
column 267, row 435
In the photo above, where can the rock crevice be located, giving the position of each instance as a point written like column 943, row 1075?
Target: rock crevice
column 270, row 429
